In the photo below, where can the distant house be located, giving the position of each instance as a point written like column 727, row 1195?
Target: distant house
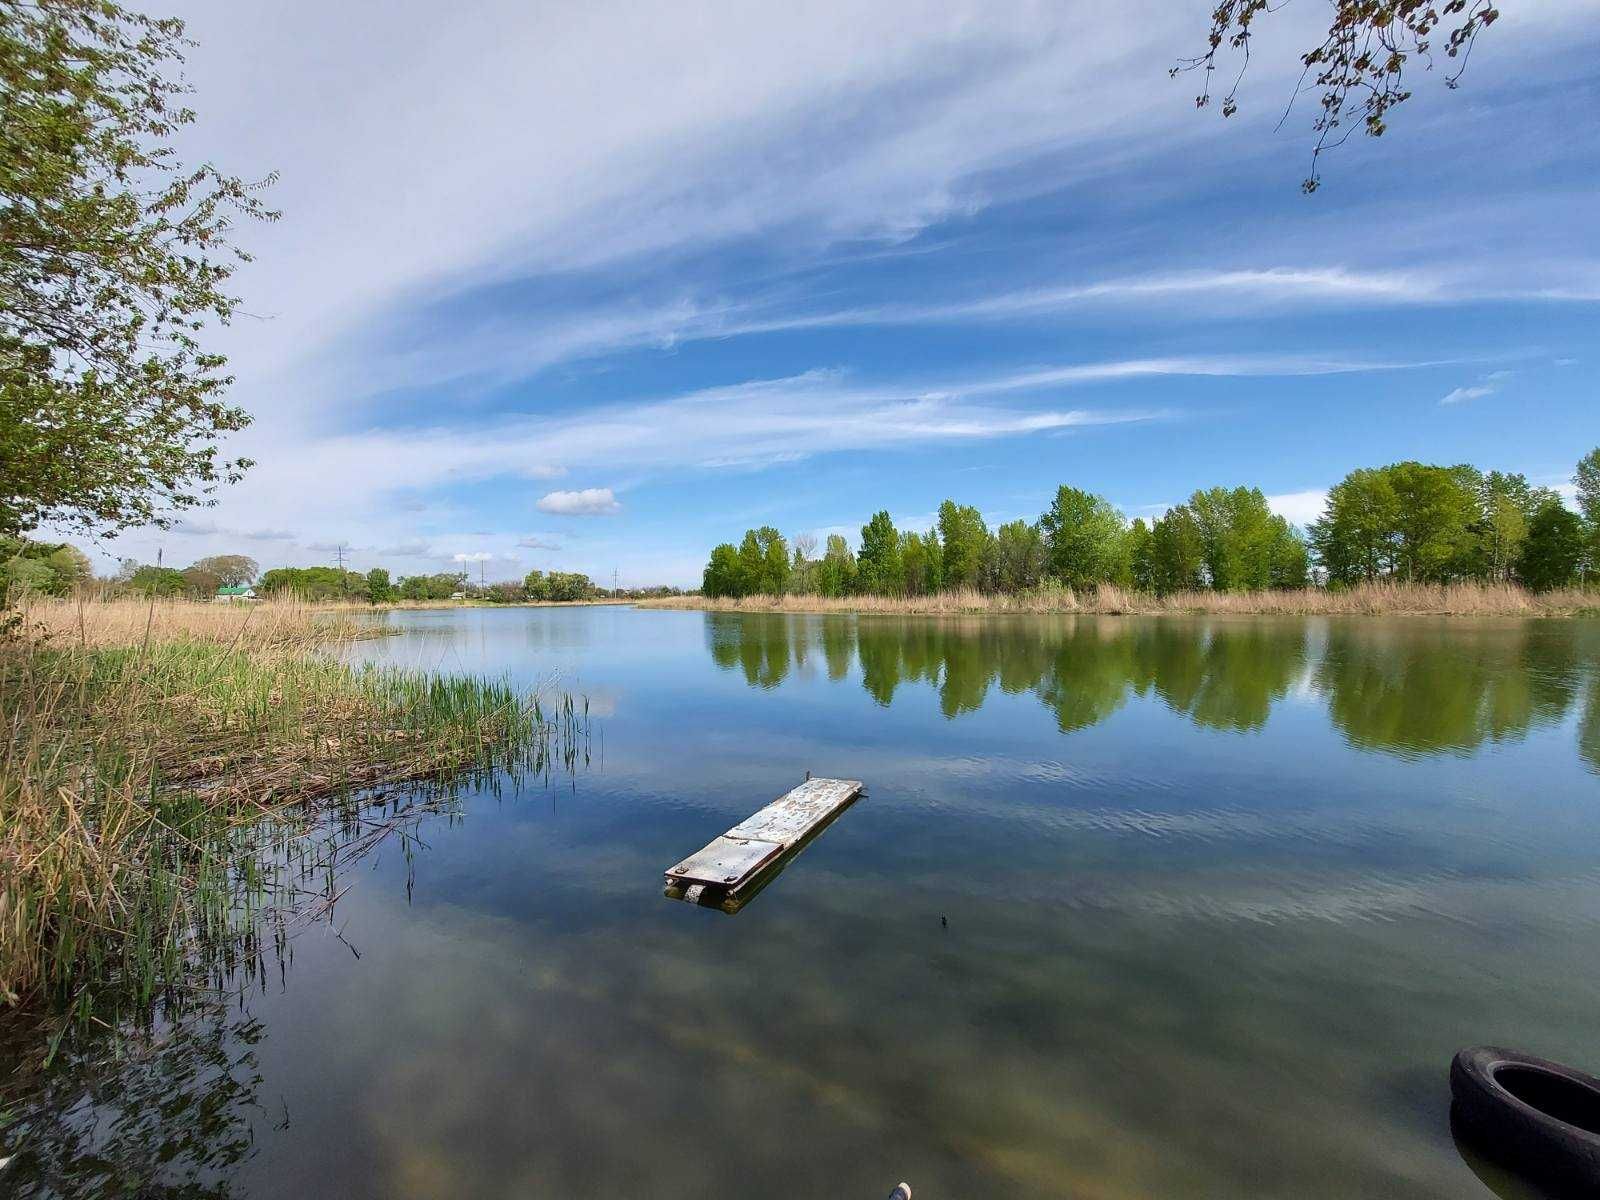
column 458, row 595
column 231, row 595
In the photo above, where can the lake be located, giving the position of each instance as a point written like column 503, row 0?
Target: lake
column 1134, row 907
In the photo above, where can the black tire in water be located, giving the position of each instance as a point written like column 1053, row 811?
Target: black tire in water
column 1537, row 1117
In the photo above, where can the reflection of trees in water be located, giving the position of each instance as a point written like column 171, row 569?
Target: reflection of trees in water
column 1448, row 687
column 165, row 1113
column 1388, row 685
column 757, row 643
column 1230, row 677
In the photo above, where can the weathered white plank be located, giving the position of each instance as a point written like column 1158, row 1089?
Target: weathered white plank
column 725, row 860
column 735, row 858
column 793, row 815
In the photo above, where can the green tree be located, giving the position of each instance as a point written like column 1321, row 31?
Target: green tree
column 1587, row 481
column 1291, row 557
column 1246, row 546
column 724, row 574
column 157, row 581
column 1141, row 555
column 1177, row 552
column 330, row 583
column 802, row 566
column 1435, row 508
column 1019, row 556
column 1410, row 520
column 199, row 583
column 114, row 258
column 569, row 585
column 234, row 570
column 922, row 563
column 879, row 569
column 1507, row 504
column 775, row 565
column 1552, row 553
column 836, row 573
column 50, row 568
column 965, row 539
column 1084, row 538
column 379, row 589
column 1354, row 537
column 763, row 563
column 21, row 576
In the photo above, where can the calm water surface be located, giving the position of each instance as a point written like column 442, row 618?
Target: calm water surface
column 1134, row 908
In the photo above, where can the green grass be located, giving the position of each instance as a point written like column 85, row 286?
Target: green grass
column 168, row 807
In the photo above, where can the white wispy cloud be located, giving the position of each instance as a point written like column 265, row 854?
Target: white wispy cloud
column 586, row 502
column 351, row 480
column 189, row 527
column 804, row 132
column 1487, row 386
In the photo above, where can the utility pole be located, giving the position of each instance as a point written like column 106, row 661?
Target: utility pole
column 613, row 581
column 339, row 552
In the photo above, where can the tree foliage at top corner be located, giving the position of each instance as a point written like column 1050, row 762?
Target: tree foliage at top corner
column 1359, row 68
column 115, row 258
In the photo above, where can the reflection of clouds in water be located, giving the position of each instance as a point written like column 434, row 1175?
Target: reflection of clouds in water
column 1016, row 1054
column 1179, row 962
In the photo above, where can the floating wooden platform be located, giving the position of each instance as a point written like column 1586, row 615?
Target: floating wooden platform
column 731, row 869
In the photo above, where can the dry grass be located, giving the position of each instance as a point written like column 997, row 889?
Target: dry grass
column 284, row 623
column 142, row 744
column 1369, row 599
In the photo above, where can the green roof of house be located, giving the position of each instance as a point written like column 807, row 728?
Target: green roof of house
column 233, row 591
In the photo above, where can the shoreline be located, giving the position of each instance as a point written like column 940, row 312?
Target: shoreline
column 421, row 605
column 1429, row 600
column 163, row 753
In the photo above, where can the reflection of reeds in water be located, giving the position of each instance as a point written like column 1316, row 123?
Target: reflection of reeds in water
column 1375, row 599
column 158, row 777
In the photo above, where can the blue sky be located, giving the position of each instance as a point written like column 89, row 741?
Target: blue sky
column 593, row 287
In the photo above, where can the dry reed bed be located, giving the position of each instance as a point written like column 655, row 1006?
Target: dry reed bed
column 143, row 742
column 1368, row 599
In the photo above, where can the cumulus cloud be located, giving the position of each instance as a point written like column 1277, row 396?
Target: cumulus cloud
column 588, row 502
column 1299, row 508
column 477, row 556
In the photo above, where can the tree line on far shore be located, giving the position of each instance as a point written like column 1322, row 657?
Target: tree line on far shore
column 60, row 569
column 1408, row 521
